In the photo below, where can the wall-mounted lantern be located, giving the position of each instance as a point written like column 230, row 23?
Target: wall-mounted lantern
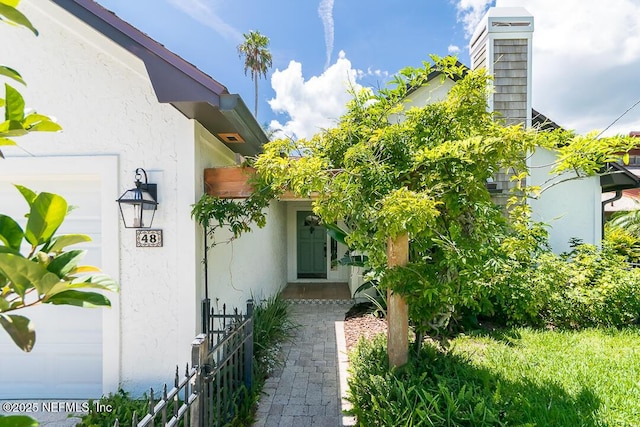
column 138, row 205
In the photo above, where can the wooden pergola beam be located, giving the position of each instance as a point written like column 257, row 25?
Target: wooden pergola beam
column 397, row 308
column 232, row 182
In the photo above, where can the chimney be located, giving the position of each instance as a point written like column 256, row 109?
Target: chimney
column 502, row 45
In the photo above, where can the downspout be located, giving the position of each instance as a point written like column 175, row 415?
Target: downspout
column 618, row 196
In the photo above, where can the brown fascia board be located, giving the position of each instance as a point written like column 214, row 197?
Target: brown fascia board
column 176, row 81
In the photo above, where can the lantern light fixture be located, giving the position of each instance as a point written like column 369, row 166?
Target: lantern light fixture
column 138, row 205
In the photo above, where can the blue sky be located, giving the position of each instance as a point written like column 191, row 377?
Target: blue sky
column 586, row 53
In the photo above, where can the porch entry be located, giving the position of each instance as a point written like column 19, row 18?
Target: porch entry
column 311, row 239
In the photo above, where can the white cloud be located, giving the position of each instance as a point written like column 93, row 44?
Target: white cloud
column 313, row 104
column 585, row 62
column 372, row 73
column 470, row 12
column 203, row 12
column 325, row 11
column 453, row 49
column 586, row 57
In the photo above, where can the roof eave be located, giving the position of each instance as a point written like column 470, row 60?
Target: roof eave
column 176, row 81
column 616, row 177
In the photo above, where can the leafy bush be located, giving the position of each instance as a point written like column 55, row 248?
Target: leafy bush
column 122, row 407
column 271, row 327
column 428, row 391
column 585, row 287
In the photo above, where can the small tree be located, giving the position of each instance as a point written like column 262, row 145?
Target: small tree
column 425, row 175
column 388, row 172
column 257, row 59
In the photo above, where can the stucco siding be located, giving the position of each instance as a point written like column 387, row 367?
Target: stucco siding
column 571, row 208
column 253, row 265
column 102, row 97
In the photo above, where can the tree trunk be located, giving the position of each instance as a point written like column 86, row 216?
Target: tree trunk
column 255, row 109
column 397, row 309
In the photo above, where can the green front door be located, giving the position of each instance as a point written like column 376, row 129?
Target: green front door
column 312, row 246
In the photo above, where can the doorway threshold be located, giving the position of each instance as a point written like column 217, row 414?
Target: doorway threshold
column 317, row 291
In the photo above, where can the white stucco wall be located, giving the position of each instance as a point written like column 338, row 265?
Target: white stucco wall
column 571, row 208
column 436, row 91
column 102, row 97
column 254, row 265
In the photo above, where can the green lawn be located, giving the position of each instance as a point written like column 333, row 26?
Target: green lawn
column 515, row 377
column 565, row 378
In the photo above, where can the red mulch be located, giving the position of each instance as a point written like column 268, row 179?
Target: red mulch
column 359, row 322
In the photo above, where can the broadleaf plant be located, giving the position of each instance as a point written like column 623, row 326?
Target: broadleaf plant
column 48, row 273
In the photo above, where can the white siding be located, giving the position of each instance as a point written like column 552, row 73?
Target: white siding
column 572, row 208
column 102, row 97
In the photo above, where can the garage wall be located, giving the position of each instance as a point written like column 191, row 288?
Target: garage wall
column 103, row 99
column 76, row 353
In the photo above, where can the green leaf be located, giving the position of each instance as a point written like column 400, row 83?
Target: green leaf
column 336, row 232
column 47, row 213
column 24, row 274
column 15, row 16
column 11, row 73
column 65, row 262
column 96, row 281
column 10, row 232
column 41, row 123
column 12, row 3
column 46, row 126
column 20, row 329
column 12, row 128
column 29, row 195
column 60, row 242
column 7, row 141
column 14, row 108
column 17, row 421
column 8, row 250
column 625, row 158
column 79, row 299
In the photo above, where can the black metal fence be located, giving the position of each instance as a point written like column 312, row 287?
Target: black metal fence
column 219, row 381
column 229, row 363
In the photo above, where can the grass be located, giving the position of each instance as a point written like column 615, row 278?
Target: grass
column 590, row 377
column 513, row 377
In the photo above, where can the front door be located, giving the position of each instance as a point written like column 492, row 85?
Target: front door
column 311, row 246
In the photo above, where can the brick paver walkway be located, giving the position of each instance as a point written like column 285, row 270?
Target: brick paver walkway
column 306, row 390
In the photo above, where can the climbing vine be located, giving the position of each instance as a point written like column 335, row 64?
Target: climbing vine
column 385, row 170
column 235, row 215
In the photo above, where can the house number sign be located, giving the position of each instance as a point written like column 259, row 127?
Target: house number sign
column 149, row 238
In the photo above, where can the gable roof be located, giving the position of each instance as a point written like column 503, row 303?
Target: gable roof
column 176, row 81
column 614, row 177
column 538, row 120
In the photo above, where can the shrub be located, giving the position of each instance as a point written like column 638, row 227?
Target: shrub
column 123, row 406
column 428, row 391
column 271, row 327
column 585, row 287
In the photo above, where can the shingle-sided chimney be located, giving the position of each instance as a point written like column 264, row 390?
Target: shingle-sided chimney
column 502, row 45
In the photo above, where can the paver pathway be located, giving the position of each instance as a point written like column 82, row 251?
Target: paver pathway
column 306, row 390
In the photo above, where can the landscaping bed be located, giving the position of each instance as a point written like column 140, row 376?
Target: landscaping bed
column 506, row 376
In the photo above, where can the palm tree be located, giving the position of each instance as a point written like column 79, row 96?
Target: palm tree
column 629, row 221
column 257, row 58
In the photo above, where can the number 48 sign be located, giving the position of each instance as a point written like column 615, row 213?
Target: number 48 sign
column 148, row 238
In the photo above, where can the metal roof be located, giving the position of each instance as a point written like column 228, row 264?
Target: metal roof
column 176, row 81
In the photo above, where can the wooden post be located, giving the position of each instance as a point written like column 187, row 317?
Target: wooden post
column 199, row 349
column 397, row 309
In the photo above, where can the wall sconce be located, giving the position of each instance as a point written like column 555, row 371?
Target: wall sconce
column 138, row 205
